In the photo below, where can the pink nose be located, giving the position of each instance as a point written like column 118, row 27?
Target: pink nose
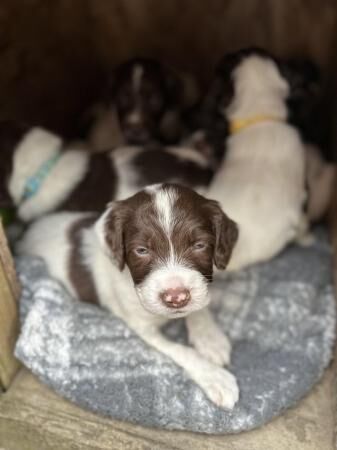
column 175, row 298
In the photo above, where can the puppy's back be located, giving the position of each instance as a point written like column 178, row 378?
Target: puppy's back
column 261, row 185
column 49, row 239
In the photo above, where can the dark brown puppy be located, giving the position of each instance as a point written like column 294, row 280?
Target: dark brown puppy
column 143, row 102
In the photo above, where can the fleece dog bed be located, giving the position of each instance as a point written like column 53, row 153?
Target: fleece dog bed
column 279, row 315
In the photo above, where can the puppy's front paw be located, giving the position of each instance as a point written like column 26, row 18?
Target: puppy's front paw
column 212, row 344
column 220, row 386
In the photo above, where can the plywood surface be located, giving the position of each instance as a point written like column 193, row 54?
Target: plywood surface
column 9, row 291
column 54, row 55
column 33, row 417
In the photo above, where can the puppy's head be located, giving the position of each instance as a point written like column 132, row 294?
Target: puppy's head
column 254, row 74
column 142, row 90
column 212, row 114
column 169, row 237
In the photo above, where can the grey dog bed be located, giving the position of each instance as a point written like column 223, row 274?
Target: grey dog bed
column 280, row 317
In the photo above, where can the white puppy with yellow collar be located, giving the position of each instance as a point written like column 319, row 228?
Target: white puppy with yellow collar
column 261, row 182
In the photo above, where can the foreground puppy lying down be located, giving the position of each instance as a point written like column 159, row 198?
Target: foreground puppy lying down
column 149, row 259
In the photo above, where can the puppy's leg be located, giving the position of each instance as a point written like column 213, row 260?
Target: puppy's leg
column 219, row 385
column 207, row 338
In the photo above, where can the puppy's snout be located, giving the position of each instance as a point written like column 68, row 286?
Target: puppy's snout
column 175, row 297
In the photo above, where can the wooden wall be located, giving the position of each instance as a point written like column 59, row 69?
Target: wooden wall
column 54, row 54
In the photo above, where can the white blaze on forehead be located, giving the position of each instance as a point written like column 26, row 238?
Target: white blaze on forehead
column 164, row 200
column 137, row 76
column 135, row 117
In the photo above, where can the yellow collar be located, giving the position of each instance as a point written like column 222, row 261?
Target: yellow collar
column 237, row 125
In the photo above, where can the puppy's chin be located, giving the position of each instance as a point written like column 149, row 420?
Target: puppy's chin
column 159, row 309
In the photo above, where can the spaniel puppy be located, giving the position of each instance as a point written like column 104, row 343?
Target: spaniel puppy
column 261, row 181
column 303, row 105
column 39, row 173
column 143, row 103
column 149, row 259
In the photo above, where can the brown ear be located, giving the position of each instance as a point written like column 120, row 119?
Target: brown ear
column 110, row 231
column 226, row 235
column 173, row 85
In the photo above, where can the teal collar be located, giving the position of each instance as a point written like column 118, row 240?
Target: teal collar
column 34, row 183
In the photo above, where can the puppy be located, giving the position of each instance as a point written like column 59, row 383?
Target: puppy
column 143, row 103
column 149, row 259
column 39, row 173
column 262, row 178
column 303, row 105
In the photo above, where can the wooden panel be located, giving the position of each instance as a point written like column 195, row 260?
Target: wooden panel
column 9, row 324
column 33, row 417
column 39, row 39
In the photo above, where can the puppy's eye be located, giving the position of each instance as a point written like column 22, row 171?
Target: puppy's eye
column 141, row 251
column 199, row 246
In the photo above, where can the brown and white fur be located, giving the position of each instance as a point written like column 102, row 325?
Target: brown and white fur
column 149, row 259
column 143, row 102
column 86, row 181
column 261, row 181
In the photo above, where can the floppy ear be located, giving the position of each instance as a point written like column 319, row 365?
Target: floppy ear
column 303, row 77
column 110, row 229
column 226, row 235
column 191, row 90
column 173, row 85
column 220, row 92
column 223, row 82
column 304, row 96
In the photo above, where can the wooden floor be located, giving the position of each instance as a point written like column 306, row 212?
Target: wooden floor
column 32, row 417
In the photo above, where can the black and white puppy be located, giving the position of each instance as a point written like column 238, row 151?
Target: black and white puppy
column 262, row 178
column 39, row 173
column 143, row 103
column 149, row 259
column 303, row 104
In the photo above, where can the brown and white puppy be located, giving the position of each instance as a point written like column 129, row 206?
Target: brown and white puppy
column 69, row 177
column 149, row 259
column 143, row 103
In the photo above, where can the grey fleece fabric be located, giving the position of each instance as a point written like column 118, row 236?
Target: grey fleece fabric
column 279, row 315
